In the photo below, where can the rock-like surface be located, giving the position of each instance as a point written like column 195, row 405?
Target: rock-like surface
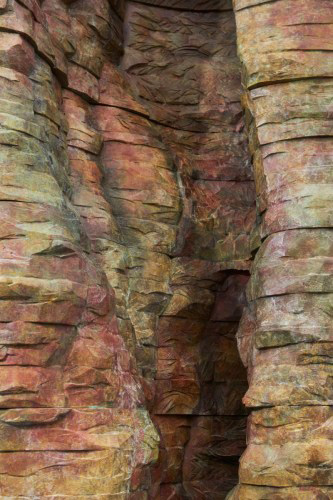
column 184, row 67
column 285, row 337
column 128, row 232
column 127, row 204
column 73, row 422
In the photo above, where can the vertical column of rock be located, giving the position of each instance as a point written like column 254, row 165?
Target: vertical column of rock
column 181, row 59
column 286, row 336
column 124, row 185
column 70, row 420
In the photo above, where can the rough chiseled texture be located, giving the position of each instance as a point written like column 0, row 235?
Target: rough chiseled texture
column 183, row 65
column 285, row 336
column 127, row 205
column 73, row 420
column 128, row 232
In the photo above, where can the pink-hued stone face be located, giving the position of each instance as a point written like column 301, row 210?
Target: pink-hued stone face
column 285, row 336
column 127, row 203
column 72, row 417
column 131, row 220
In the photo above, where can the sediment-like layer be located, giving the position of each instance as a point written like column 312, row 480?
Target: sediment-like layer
column 286, row 334
column 127, row 205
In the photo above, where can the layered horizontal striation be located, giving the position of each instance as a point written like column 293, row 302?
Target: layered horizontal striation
column 127, row 206
column 285, row 336
column 181, row 57
column 72, row 422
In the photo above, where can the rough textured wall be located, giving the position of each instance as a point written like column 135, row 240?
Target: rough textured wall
column 128, row 227
column 73, row 421
column 127, row 205
column 184, row 67
column 286, row 335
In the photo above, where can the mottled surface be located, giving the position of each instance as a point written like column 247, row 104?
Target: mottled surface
column 127, row 204
column 184, row 66
column 130, row 225
column 285, row 337
column 73, row 421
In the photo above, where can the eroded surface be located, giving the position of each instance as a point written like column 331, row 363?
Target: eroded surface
column 127, row 204
column 286, row 334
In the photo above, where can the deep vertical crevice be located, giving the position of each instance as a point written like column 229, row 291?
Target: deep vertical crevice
column 183, row 67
